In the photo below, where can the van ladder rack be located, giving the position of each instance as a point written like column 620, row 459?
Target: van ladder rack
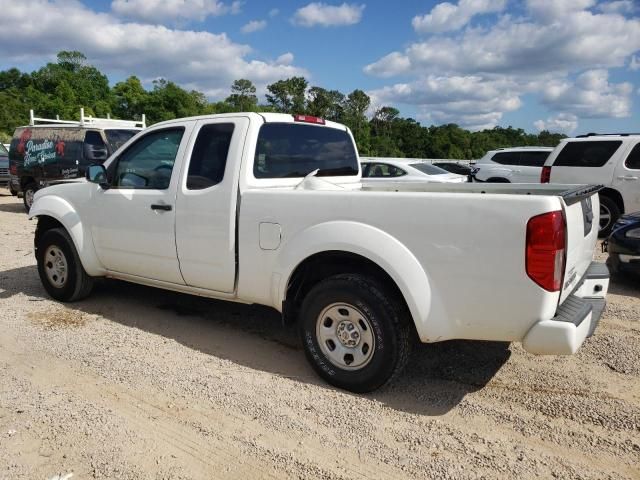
column 90, row 121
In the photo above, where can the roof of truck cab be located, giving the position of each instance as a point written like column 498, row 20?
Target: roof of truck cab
column 266, row 117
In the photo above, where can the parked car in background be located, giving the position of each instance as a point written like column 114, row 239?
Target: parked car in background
column 51, row 150
column 511, row 165
column 376, row 169
column 4, row 166
column 623, row 245
column 454, row 167
column 270, row 209
column 611, row 160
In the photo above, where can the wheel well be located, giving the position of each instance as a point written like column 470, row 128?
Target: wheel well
column 615, row 196
column 498, row 180
column 326, row 264
column 45, row 223
column 24, row 181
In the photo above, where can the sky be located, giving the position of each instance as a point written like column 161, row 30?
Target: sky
column 569, row 66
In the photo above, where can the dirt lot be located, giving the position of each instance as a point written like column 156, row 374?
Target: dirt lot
column 140, row 383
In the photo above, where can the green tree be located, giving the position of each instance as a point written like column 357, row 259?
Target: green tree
column 129, row 98
column 326, row 104
column 288, row 96
column 355, row 108
column 243, row 96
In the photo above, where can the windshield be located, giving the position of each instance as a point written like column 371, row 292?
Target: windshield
column 3, row 151
column 428, row 168
column 117, row 138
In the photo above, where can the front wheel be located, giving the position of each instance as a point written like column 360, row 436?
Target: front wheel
column 609, row 213
column 28, row 192
column 355, row 334
column 59, row 267
column 12, row 190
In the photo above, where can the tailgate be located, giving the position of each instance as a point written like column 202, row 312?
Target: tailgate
column 582, row 213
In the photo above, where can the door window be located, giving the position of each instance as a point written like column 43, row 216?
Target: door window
column 148, row 163
column 586, row 154
column 382, row 170
column 507, row 158
column 633, row 160
column 533, row 159
column 95, row 150
column 209, row 156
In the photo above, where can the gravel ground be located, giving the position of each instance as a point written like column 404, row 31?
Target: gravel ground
column 138, row 383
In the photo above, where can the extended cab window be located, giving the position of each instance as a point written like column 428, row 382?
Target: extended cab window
column 633, row 160
column 209, row 156
column 148, row 163
column 294, row 150
column 587, row 154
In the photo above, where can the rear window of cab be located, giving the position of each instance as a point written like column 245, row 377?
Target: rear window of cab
column 288, row 150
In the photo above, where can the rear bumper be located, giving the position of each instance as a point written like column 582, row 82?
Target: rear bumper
column 575, row 320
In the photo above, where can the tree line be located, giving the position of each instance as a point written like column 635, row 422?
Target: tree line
column 61, row 88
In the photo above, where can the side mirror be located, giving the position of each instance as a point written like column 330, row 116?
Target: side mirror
column 97, row 174
column 95, row 153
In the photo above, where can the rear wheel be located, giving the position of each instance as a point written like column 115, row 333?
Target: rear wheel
column 355, row 334
column 498, row 180
column 609, row 214
column 12, row 190
column 59, row 267
column 29, row 191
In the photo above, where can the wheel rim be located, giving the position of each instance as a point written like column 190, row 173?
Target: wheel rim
column 55, row 266
column 28, row 197
column 605, row 217
column 345, row 336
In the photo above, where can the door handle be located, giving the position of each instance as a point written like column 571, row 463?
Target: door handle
column 161, row 206
column 627, row 177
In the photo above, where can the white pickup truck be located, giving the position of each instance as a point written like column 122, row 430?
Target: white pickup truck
column 269, row 209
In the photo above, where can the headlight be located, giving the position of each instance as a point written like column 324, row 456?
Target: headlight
column 633, row 233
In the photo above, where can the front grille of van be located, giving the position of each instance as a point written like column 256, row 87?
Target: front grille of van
column 4, row 171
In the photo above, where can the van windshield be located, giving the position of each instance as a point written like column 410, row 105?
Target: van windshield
column 117, row 138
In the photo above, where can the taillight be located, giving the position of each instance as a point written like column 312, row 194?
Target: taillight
column 13, row 169
column 545, row 176
column 546, row 247
column 308, row 119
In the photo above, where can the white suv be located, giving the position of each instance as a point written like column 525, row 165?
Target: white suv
column 611, row 160
column 512, row 165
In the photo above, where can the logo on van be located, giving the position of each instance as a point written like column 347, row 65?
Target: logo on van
column 39, row 152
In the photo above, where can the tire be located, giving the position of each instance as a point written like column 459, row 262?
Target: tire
column 610, row 209
column 368, row 316
column 12, row 190
column 59, row 267
column 27, row 195
column 498, row 180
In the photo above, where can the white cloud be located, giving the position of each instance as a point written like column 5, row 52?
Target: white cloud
column 562, row 123
column 254, row 26
column 471, row 101
column 321, row 14
column 558, row 51
column 620, row 6
column 167, row 10
column 446, row 17
column 590, row 96
column 634, row 63
column 285, row 59
column 196, row 59
column 274, row 12
column 557, row 9
column 581, row 40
